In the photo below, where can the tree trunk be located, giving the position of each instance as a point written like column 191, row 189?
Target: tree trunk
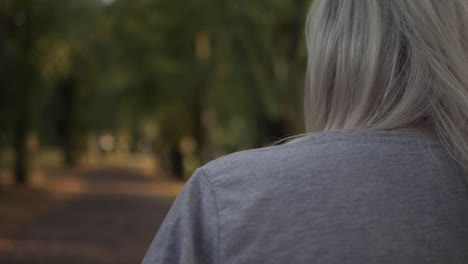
column 67, row 120
column 21, row 151
column 292, row 118
column 177, row 166
column 196, row 104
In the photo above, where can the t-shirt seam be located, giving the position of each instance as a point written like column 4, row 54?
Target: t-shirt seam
column 205, row 177
column 393, row 141
column 320, row 140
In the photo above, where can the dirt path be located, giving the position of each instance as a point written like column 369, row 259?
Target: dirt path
column 106, row 216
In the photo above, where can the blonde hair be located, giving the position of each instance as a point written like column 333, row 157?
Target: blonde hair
column 389, row 64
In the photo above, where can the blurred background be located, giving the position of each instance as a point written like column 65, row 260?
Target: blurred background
column 108, row 106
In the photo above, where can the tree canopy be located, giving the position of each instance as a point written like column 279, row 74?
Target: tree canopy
column 227, row 74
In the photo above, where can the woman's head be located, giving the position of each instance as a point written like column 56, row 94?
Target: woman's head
column 388, row 64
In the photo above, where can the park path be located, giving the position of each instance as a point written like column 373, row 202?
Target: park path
column 104, row 216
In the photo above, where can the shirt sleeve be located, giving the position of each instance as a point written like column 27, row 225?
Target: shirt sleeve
column 189, row 233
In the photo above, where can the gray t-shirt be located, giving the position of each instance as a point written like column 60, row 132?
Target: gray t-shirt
column 340, row 197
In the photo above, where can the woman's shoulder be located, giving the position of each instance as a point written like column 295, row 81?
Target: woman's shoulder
column 266, row 162
column 325, row 153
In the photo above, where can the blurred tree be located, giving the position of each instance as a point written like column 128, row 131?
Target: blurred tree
column 262, row 45
column 215, row 71
column 23, row 23
column 77, row 59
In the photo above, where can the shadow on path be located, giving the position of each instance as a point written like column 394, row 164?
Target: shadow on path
column 111, row 218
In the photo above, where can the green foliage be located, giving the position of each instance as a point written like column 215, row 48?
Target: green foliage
column 78, row 67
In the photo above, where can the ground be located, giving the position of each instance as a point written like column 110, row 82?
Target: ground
column 92, row 216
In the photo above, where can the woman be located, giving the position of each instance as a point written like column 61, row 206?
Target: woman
column 383, row 181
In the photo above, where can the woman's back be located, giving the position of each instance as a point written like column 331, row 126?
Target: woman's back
column 341, row 197
column 368, row 196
